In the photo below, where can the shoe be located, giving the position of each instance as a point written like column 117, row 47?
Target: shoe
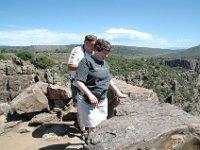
column 85, row 147
column 76, row 125
column 84, row 135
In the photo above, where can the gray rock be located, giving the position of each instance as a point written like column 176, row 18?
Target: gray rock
column 8, row 126
column 30, row 100
column 43, row 118
column 15, row 76
column 146, row 125
column 5, row 109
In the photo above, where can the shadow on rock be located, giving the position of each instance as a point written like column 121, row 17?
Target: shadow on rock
column 58, row 129
column 71, row 116
column 63, row 147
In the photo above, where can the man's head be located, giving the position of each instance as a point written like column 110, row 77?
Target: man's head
column 89, row 42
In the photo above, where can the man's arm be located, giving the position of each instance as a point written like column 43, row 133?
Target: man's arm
column 72, row 67
column 73, row 59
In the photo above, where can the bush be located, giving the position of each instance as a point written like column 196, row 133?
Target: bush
column 2, row 56
column 25, row 55
column 42, row 62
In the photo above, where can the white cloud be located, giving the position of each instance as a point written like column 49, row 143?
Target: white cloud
column 117, row 36
column 130, row 37
column 38, row 37
column 183, row 40
column 131, row 34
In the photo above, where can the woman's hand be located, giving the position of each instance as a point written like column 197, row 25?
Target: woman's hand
column 119, row 94
column 93, row 100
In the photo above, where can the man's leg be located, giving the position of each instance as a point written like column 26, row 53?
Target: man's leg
column 74, row 97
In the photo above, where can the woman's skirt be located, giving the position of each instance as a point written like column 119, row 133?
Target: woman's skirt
column 90, row 115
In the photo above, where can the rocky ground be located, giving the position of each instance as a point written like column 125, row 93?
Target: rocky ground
column 24, row 137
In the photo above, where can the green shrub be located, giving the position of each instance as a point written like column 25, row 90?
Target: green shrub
column 42, row 62
column 2, row 56
column 25, row 55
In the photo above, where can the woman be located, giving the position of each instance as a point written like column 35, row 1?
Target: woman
column 76, row 55
column 93, row 79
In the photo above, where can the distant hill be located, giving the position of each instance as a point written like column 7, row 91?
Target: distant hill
column 131, row 51
column 193, row 52
column 38, row 48
column 134, row 51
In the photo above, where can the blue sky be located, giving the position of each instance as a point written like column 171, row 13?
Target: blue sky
column 143, row 23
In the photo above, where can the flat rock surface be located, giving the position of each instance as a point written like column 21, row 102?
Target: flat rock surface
column 146, row 125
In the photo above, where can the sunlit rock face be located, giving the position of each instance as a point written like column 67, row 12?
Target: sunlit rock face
column 144, row 123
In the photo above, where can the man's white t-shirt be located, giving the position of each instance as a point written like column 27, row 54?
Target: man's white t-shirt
column 76, row 55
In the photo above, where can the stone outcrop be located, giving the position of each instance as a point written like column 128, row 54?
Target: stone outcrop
column 41, row 97
column 187, row 64
column 133, row 92
column 147, row 125
column 40, row 103
column 15, row 76
column 143, row 123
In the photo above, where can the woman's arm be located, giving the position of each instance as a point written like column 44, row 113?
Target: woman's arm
column 116, row 90
column 87, row 92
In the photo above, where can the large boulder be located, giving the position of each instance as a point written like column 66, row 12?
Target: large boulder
column 143, row 123
column 31, row 100
column 133, row 92
column 147, row 125
column 41, row 97
column 58, row 95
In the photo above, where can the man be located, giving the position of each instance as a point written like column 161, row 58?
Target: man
column 76, row 55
